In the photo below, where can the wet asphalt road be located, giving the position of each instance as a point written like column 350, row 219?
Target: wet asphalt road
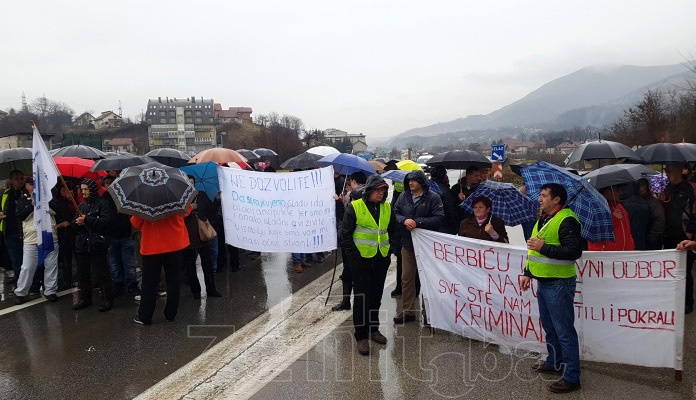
column 48, row 350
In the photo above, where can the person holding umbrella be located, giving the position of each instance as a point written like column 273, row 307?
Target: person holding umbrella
column 161, row 254
column 483, row 225
column 679, row 199
column 92, row 226
column 158, row 198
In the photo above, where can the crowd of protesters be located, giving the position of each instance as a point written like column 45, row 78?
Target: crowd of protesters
column 108, row 246
column 99, row 250
column 369, row 231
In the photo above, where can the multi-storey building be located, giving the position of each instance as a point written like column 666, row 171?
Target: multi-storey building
column 187, row 125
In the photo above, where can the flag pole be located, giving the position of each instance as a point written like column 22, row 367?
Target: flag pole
column 65, row 185
column 70, row 195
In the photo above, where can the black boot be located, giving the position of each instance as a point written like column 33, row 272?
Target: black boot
column 82, row 304
column 345, row 302
column 107, row 295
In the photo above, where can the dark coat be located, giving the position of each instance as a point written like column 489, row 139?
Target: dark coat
column 449, row 205
column 639, row 217
column 656, row 227
column 350, row 220
column 680, row 212
column 121, row 227
column 98, row 220
column 428, row 212
column 471, row 229
column 203, row 210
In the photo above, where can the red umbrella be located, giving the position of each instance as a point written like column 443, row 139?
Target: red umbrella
column 76, row 167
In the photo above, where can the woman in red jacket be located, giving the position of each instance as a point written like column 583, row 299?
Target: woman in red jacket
column 162, row 246
column 619, row 219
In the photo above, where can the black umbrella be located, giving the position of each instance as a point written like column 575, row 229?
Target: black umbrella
column 80, row 151
column 662, row 153
column 152, row 191
column 391, row 165
column 302, row 161
column 602, row 150
column 459, row 159
column 265, row 152
column 617, row 174
column 120, row 162
column 517, row 168
column 15, row 159
column 249, row 155
column 170, row 157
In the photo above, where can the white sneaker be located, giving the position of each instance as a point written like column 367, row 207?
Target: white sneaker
column 136, row 297
column 161, row 294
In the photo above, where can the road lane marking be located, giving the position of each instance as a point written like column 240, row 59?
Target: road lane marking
column 243, row 363
column 31, row 302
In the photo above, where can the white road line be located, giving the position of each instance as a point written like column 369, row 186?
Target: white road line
column 246, row 361
column 39, row 300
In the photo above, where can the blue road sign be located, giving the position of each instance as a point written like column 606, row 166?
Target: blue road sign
column 498, row 152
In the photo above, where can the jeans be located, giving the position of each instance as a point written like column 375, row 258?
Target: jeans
column 557, row 318
column 214, row 253
column 13, row 243
column 121, row 256
column 31, row 258
column 297, row 258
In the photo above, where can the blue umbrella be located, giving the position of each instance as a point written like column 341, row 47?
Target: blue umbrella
column 590, row 206
column 395, row 175
column 206, row 177
column 346, row 164
column 509, row 204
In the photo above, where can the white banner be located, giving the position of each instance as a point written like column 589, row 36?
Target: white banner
column 629, row 306
column 279, row 212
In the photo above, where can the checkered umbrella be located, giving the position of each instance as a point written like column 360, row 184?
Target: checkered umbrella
column 590, row 206
column 509, row 204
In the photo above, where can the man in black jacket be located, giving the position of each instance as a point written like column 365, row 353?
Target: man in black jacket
column 417, row 207
column 121, row 254
column 367, row 232
column 93, row 223
column 656, row 227
column 10, row 226
column 679, row 199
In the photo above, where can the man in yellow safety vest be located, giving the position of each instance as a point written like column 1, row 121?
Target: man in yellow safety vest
column 367, row 237
column 552, row 250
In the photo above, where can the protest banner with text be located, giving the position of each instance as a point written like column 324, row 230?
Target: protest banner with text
column 279, row 212
column 629, row 306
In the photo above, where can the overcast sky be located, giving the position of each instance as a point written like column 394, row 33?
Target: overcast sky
column 376, row 67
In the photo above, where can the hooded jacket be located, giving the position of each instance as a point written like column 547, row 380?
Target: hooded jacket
column 350, row 219
column 99, row 220
column 428, row 211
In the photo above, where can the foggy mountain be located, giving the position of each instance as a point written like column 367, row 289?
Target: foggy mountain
column 592, row 96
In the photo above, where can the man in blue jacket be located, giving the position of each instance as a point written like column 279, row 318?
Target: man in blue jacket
column 417, row 207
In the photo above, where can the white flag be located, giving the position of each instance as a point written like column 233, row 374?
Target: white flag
column 45, row 178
